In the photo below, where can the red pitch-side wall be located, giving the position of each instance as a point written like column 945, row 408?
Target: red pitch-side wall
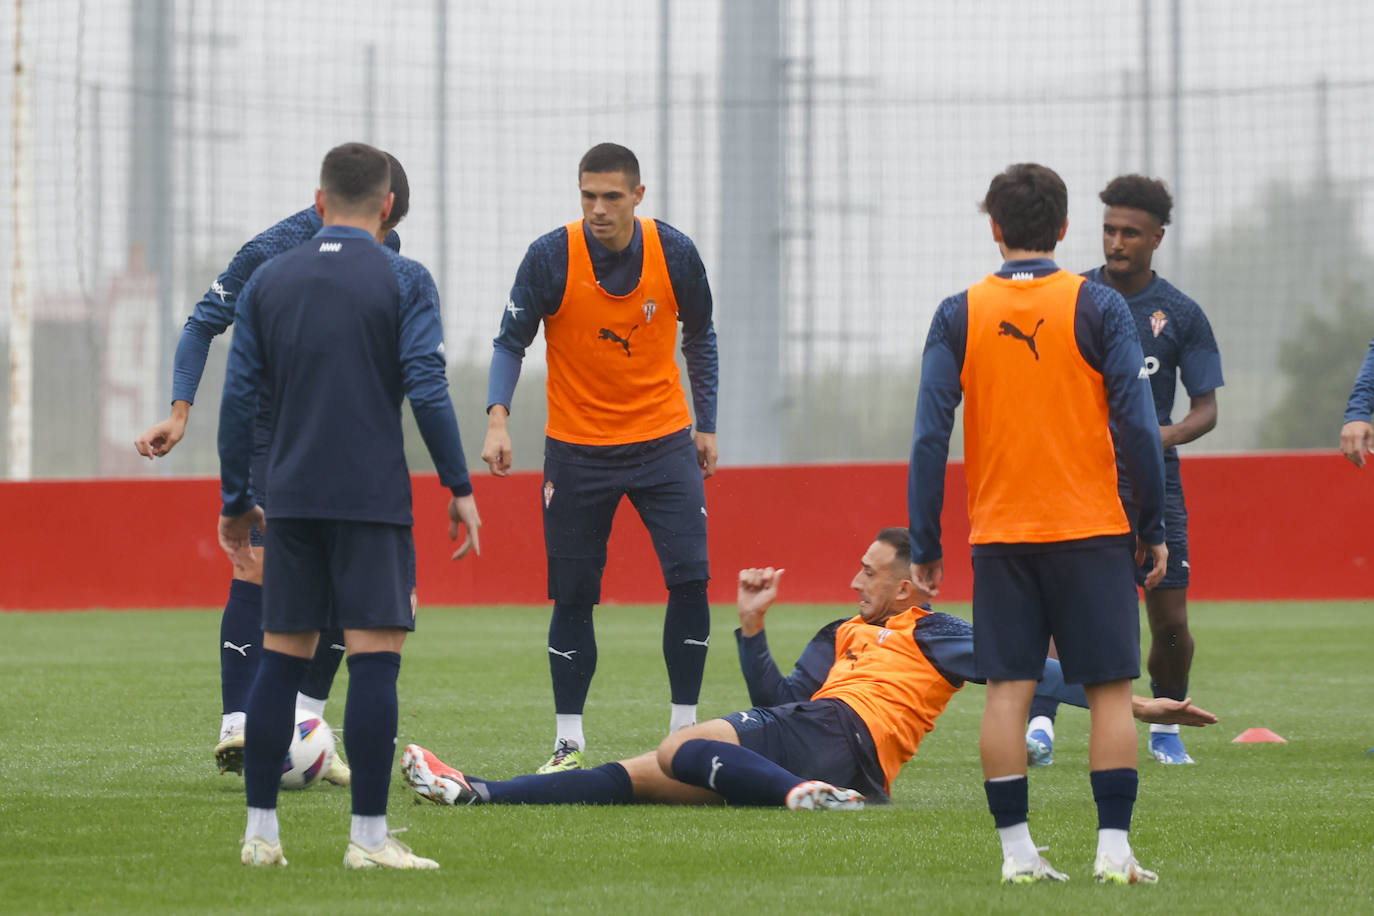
column 1262, row 527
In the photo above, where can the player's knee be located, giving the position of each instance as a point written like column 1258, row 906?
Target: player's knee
column 687, row 579
column 1170, row 628
column 690, row 588
column 667, row 750
column 576, row 580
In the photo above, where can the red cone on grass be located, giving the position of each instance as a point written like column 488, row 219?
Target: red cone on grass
column 1258, row 736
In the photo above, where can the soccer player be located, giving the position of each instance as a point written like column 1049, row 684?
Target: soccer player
column 241, row 624
column 863, row 694
column 610, row 290
column 1357, row 435
column 336, row 331
column 1045, row 360
column 1178, row 343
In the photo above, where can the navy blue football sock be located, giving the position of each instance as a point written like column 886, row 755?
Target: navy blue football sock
column 370, row 728
column 686, row 633
column 1008, row 800
column 1043, row 706
column 1114, row 791
column 608, row 784
column 329, row 652
column 240, row 640
column 736, row 773
column 572, row 656
column 1158, row 691
column 271, row 710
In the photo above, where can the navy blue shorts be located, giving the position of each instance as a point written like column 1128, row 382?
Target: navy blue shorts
column 580, row 498
column 321, row 573
column 1084, row 597
column 816, row 739
column 1175, row 526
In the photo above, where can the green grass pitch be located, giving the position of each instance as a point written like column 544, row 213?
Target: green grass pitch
column 110, row 802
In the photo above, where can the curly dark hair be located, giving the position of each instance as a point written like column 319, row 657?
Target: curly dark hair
column 1140, row 192
column 1030, row 204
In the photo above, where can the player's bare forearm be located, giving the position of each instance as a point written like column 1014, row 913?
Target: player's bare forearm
column 1200, row 420
column 1164, row 711
column 160, row 438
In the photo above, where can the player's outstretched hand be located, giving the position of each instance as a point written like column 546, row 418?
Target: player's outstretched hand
column 928, row 576
column 1164, row 711
column 462, row 512
column 1357, row 439
column 1160, row 552
column 707, row 453
column 234, row 532
column 758, row 589
column 160, row 438
column 496, row 450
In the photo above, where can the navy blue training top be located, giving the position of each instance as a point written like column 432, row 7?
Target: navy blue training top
column 334, row 332
column 214, row 312
column 1177, row 341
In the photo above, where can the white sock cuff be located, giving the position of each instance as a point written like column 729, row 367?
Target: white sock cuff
column 368, row 831
column 1157, row 729
column 312, row 705
column 263, row 822
column 1113, row 843
column 1017, row 842
column 1042, row 723
column 569, row 728
column 681, row 715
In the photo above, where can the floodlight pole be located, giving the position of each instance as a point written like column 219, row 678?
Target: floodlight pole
column 20, row 416
column 441, row 150
column 665, row 112
column 1146, row 68
column 1176, row 126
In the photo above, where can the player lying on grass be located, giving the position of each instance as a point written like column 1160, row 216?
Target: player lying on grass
column 863, row 694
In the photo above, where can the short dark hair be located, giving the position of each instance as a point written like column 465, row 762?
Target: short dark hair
column 1140, row 192
column 1030, row 204
column 355, row 175
column 610, row 157
column 400, row 187
column 900, row 539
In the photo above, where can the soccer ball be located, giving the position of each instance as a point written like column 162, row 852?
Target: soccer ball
column 310, row 754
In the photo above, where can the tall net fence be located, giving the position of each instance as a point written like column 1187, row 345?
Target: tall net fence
column 825, row 155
